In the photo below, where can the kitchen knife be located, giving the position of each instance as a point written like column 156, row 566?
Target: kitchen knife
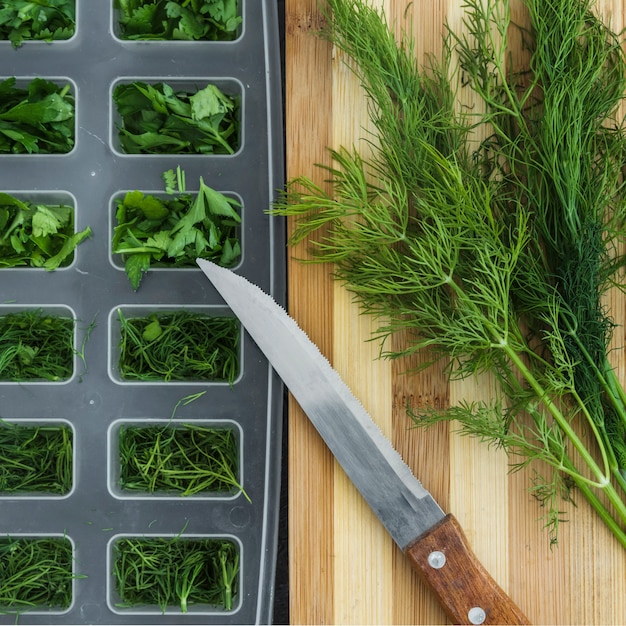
column 433, row 541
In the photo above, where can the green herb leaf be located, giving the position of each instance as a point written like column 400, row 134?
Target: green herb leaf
column 24, row 20
column 209, row 102
column 49, row 220
column 40, row 235
column 191, row 346
column 69, row 245
column 173, row 181
column 166, row 572
column 136, row 264
column 36, row 119
column 157, row 120
column 174, row 232
column 201, row 20
column 152, row 331
column 151, row 207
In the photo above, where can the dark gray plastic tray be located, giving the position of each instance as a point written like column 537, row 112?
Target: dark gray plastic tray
column 94, row 401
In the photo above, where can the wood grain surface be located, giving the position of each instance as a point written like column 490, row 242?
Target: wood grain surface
column 344, row 568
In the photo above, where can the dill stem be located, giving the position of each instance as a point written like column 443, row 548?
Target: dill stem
column 596, row 432
column 568, row 467
column 616, row 392
column 617, row 397
column 616, row 500
column 602, row 511
column 602, row 477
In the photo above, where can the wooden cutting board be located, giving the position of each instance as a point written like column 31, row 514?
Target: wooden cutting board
column 344, row 568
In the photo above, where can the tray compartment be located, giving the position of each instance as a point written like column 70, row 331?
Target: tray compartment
column 151, row 574
column 36, row 573
column 227, row 232
column 163, row 118
column 126, row 31
column 59, row 22
column 48, row 198
column 60, row 129
column 203, row 345
column 37, row 458
column 37, row 344
column 176, row 459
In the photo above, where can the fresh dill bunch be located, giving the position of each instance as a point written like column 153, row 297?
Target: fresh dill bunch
column 560, row 148
column 463, row 250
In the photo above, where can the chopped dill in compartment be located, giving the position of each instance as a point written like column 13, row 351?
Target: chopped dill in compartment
column 36, row 346
column 179, row 345
column 35, row 573
column 185, row 460
column 176, row 572
column 35, row 459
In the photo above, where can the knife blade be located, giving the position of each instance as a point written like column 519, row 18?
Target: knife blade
column 432, row 540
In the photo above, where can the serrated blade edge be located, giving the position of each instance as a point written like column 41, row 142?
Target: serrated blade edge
column 377, row 470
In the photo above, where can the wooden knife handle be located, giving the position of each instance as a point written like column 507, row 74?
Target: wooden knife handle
column 466, row 591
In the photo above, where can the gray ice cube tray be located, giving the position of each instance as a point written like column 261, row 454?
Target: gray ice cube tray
column 95, row 401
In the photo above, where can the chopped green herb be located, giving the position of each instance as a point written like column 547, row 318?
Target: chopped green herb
column 180, row 345
column 155, row 119
column 35, row 572
column 174, row 231
column 187, row 400
column 168, row 572
column 186, row 460
column 37, row 235
column 38, row 118
column 25, row 20
column 198, row 20
column 35, row 459
column 36, row 346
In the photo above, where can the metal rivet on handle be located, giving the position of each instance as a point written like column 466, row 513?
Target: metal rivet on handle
column 476, row 615
column 436, row 559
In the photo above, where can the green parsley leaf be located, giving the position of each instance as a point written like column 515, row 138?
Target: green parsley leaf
column 151, row 207
column 174, row 231
column 69, row 244
column 155, row 119
column 173, row 181
column 152, row 331
column 40, row 235
column 160, row 241
column 24, row 20
column 209, row 102
column 36, row 119
column 200, row 20
column 136, row 265
column 48, row 220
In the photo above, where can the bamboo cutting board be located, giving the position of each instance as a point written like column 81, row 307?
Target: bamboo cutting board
column 344, row 568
